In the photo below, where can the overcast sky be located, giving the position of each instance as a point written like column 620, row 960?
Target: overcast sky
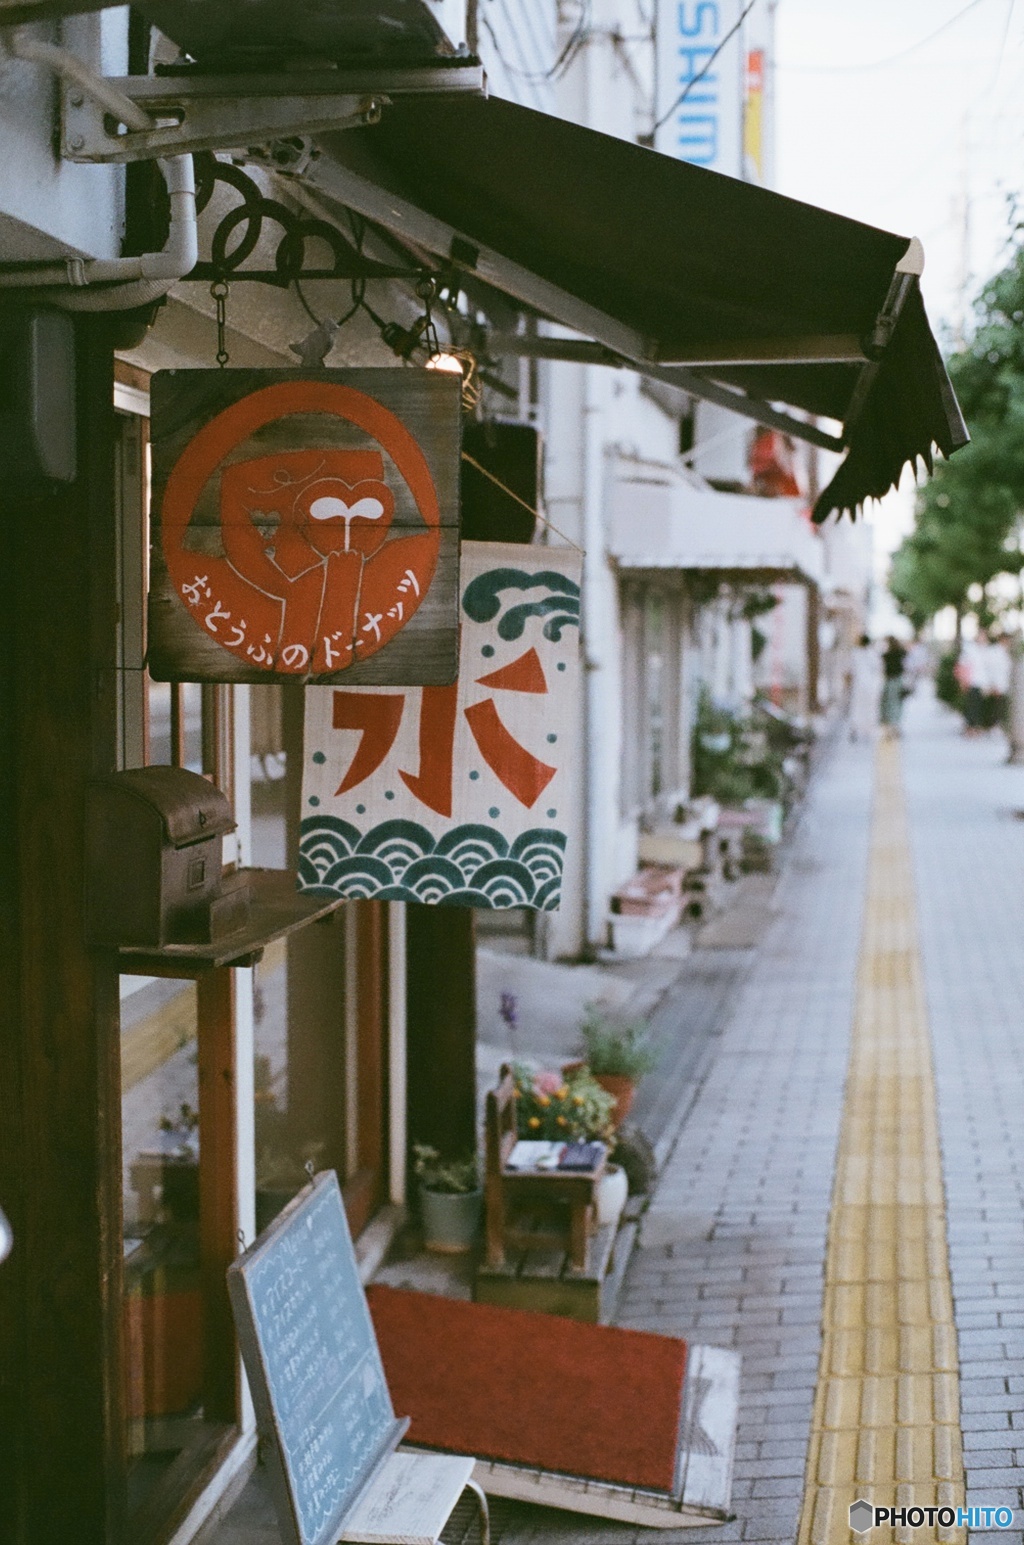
column 895, row 111
column 906, row 113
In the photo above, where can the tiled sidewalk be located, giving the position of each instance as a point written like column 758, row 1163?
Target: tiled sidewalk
column 886, row 1415
column 969, row 849
column 733, row 1246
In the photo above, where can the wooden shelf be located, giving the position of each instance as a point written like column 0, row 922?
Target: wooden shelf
column 277, row 909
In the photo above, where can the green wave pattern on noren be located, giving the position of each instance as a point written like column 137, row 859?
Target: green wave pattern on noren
column 470, row 866
column 482, row 601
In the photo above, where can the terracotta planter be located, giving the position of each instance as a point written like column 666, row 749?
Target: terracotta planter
column 624, row 1091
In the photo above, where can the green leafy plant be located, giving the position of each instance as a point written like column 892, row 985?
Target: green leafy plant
column 947, row 688
column 556, row 1105
column 752, row 765
column 711, row 718
column 617, row 1047
column 452, row 1177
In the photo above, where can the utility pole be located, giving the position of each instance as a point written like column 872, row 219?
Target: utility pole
column 1015, row 707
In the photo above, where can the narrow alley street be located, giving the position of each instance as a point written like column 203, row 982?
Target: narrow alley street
column 901, row 912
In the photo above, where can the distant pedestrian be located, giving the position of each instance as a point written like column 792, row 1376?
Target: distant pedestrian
column 972, row 675
column 893, row 688
column 995, row 683
column 918, row 663
column 866, row 690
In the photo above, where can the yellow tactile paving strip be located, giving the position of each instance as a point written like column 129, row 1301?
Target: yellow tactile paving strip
column 886, row 1412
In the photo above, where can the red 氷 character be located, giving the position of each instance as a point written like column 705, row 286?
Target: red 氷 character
column 311, row 579
column 378, row 716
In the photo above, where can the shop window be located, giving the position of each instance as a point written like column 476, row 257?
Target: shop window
column 178, row 1361
column 655, row 684
column 654, row 760
column 174, row 1404
column 302, row 1038
column 175, row 721
column 318, row 1047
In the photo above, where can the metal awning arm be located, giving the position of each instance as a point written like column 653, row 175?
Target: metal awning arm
column 190, row 112
column 613, row 342
column 583, row 351
column 905, row 275
column 739, row 402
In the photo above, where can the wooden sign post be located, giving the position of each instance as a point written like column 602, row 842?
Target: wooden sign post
column 305, row 526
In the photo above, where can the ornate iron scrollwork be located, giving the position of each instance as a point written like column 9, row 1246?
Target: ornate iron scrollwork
column 236, row 236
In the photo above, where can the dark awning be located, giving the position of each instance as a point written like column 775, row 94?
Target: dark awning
column 714, row 284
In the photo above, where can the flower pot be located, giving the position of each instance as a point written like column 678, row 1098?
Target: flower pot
column 610, row 1196
column 623, row 1089
column 451, row 1221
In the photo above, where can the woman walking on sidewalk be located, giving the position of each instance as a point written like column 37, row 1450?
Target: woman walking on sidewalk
column 893, row 689
column 866, row 690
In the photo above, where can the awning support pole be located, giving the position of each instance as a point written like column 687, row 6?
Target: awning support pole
column 584, row 352
column 905, row 275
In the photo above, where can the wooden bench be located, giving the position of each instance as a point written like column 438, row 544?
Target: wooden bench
column 531, row 1209
column 321, row 1395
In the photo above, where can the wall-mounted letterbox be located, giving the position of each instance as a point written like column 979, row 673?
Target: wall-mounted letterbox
column 154, row 840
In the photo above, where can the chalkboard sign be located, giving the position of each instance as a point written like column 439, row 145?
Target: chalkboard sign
column 311, row 1354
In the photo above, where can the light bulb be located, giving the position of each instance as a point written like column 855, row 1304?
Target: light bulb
column 448, row 362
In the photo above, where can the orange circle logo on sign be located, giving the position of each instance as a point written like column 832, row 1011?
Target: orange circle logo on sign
column 312, row 579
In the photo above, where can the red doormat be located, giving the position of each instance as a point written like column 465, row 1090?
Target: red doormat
column 533, row 1389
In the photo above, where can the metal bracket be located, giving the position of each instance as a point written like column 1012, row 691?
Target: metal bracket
column 229, row 112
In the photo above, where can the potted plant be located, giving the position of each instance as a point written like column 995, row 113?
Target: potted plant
column 569, row 1105
column 618, row 1054
column 714, row 726
column 573, row 1105
column 451, row 1199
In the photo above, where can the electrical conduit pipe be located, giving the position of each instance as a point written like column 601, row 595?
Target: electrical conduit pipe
column 128, row 282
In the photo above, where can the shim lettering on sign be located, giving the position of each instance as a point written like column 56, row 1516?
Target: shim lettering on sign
column 460, row 795
column 305, row 526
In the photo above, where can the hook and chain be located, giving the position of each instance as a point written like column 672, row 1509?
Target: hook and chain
column 219, row 291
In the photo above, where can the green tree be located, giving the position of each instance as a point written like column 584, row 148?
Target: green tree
column 968, row 517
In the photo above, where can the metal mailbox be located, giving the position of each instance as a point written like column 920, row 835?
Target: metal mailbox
column 154, row 843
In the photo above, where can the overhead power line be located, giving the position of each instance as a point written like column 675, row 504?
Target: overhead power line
column 880, row 64
column 681, row 98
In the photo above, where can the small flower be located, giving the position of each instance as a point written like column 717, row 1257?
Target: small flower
column 562, row 1092
column 534, row 1121
column 577, row 1099
column 547, row 1083
column 544, row 1099
column 561, row 1121
column 509, row 1009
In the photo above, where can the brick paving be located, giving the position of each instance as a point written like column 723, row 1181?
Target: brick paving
column 969, row 858
column 733, row 1246
column 885, row 1427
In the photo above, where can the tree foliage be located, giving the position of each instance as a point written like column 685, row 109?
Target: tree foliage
column 968, row 517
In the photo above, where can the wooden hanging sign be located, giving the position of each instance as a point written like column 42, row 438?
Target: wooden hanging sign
column 305, row 526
